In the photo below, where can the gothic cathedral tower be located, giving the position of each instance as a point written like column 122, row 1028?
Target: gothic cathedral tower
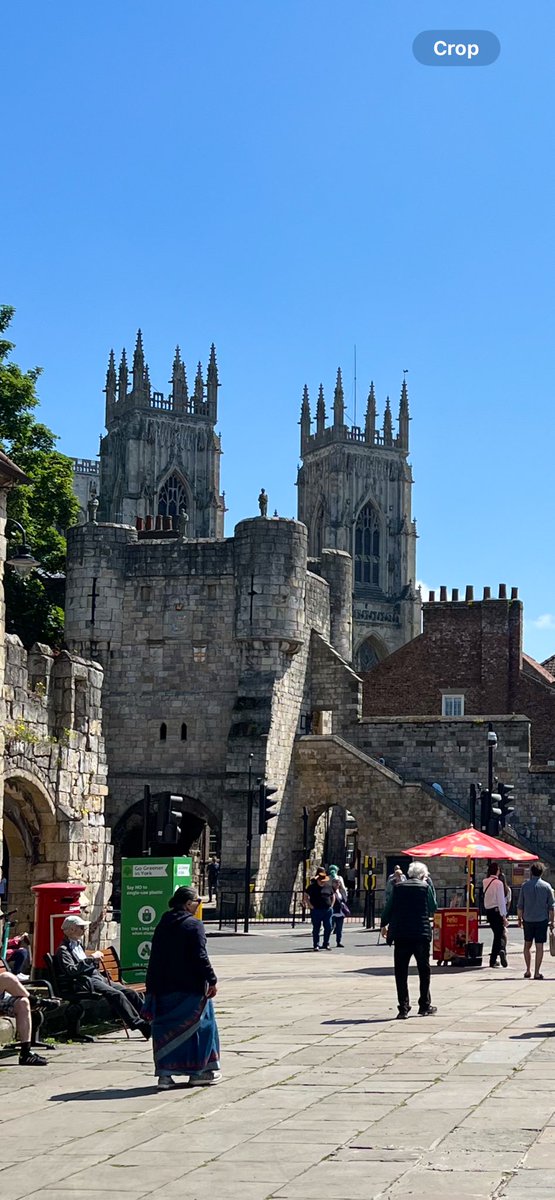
column 161, row 454
column 355, row 495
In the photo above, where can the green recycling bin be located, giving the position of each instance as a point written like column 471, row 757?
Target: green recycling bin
column 146, row 887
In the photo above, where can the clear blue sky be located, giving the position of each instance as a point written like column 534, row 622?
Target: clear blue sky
column 285, row 179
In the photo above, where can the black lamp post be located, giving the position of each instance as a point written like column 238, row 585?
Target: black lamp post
column 22, row 560
column 248, row 856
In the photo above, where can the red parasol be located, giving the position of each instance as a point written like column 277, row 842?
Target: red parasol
column 470, row 843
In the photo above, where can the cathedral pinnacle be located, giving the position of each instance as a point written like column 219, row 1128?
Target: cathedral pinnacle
column 370, row 428
column 199, row 390
column 305, row 420
column 338, row 401
column 387, row 425
column 123, row 377
column 179, row 383
column 110, row 389
column 404, row 418
column 212, row 385
column 138, row 366
column 320, row 411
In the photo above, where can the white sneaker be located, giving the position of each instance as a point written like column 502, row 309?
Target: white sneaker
column 165, row 1082
column 205, row 1079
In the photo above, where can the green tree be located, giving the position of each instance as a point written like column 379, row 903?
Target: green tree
column 45, row 506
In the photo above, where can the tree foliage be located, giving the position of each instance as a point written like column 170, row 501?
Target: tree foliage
column 45, row 507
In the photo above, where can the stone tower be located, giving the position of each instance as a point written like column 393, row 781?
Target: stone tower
column 355, row 495
column 161, row 454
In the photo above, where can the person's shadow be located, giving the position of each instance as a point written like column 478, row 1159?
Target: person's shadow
column 114, row 1093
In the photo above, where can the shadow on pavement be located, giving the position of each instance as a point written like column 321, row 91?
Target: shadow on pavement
column 112, row 1093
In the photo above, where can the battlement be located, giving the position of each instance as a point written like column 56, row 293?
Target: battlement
column 120, row 399
column 469, row 595
column 86, row 466
column 50, row 695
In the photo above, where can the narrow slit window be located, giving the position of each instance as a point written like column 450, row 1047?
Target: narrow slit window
column 163, row 731
column 183, row 732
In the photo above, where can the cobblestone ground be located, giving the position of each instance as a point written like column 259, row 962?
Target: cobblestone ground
column 325, row 1094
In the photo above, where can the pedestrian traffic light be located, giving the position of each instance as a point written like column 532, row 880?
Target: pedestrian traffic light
column 169, row 818
column 484, row 810
column 507, row 806
column 267, row 808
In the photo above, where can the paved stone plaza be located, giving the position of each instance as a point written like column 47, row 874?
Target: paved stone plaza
column 324, row 1093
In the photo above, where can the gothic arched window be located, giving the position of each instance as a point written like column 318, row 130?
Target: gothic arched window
column 367, row 546
column 172, row 497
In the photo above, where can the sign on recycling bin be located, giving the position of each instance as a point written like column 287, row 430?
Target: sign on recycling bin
column 146, row 887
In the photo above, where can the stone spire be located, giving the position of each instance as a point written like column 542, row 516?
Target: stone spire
column 199, row 390
column 370, row 427
column 110, row 389
column 320, row 412
column 305, row 421
column 180, row 393
column 146, row 383
column 138, row 368
column 212, row 385
column 403, row 440
column 387, row 425
column 338, row 402
column 123, row 378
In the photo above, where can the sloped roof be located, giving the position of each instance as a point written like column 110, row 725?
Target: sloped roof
column 549, row 664
column 530, row 665
column 9, row 472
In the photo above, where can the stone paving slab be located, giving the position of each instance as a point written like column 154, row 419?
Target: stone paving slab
column 323, row 1093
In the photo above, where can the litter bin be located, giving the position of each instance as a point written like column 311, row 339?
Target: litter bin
column 450, row 943
column 53, row 903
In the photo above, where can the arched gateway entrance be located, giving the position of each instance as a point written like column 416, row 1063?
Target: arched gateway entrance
column 200, row 837
column 30, row 839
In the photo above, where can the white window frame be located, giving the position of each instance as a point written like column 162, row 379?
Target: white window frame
column 448, row 701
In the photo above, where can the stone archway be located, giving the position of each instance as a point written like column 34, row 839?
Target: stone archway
column 30, row 842
column 127, row 837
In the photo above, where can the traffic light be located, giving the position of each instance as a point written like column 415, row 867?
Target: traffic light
column 507, row 806
column 484, row 810
column 267, row 808
column 169, row 819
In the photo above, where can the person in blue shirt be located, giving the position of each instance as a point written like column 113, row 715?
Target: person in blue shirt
column 535, row 911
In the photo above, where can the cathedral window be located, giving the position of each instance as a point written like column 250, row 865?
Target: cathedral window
column 172, row 497
column 367, row 547
column 163, row 731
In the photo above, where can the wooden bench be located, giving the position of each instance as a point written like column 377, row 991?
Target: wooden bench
column 111, row 967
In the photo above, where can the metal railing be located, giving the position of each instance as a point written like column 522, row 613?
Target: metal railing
column 287, row 908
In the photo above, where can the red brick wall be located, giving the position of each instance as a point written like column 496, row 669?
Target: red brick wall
column 472, row 647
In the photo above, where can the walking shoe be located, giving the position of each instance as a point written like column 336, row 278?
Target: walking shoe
column 503, row 958
column 32, row 1060
column 165, row 1082
column 326, row 947
column 341, row 945
column 315, row 947
column 403, row 1014
column 494, row 964
column 527, row 974
column 538, row 976
column 144, row 1028
column 427, row 1012
column 205, row 1079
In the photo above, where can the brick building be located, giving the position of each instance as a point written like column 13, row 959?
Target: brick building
column 467, row 661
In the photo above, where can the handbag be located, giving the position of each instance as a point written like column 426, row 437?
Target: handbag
column 552, row 942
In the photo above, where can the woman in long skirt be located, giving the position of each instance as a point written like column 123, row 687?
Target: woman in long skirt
column 180, row 984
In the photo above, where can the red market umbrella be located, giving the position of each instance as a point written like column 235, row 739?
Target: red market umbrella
column 470, row 843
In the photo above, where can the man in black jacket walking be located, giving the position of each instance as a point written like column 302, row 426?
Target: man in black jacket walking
column 406, row 922
column 78, row 972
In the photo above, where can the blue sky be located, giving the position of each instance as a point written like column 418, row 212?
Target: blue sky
column 286, row 180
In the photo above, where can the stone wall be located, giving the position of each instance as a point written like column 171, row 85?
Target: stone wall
column 55, row 778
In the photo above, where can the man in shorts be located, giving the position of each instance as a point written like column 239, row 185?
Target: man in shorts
column 15, row 1002
column 535, row 911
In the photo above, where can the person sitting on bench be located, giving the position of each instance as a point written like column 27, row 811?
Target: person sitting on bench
column 77, row 972
column 15, row 1002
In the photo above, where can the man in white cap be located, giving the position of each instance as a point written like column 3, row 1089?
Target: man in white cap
column 79, row 972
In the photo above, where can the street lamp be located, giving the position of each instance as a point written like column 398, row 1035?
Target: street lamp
column 22, row 560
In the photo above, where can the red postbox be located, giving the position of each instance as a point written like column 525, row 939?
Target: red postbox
column 53, row 903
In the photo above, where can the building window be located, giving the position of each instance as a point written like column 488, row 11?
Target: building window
column 367, row 547
column 183, row 732
column 172, row 497
column 452, row 704
column 163, row 731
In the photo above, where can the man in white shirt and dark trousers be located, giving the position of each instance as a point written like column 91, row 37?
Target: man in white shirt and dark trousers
column 496, row 914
